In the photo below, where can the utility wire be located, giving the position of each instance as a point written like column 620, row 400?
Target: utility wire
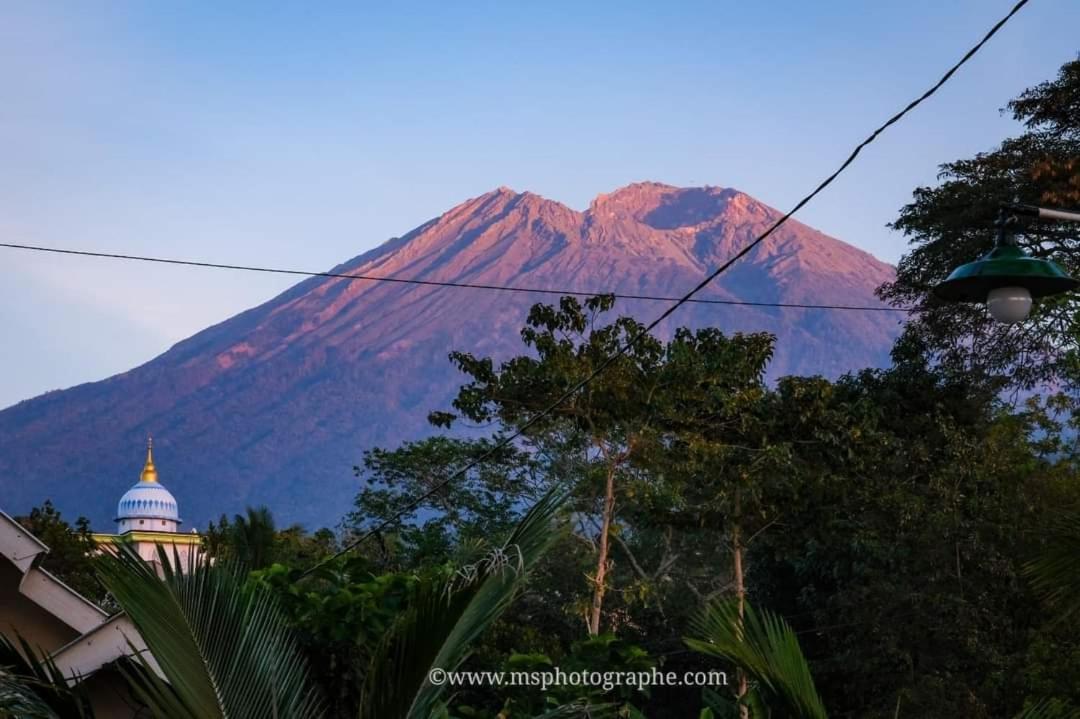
column 439, row 283
column 506, row 441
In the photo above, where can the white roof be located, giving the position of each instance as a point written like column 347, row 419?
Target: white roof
column 147, row 500
column 102, row 639
column 107, row 642
column 26, row 551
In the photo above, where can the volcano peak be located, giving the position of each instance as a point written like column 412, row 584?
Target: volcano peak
column 277, row 404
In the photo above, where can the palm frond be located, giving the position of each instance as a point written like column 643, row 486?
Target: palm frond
column 766, row 648
column 160, row 698
column 1050, row 709
column 224, row 648
column 717, row 706
column 32, row 686
column 579, row 709
column 17, row 699
column 446, row 617
column 1055, row 574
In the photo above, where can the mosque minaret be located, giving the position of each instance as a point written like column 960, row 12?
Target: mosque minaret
column 147, row 506
column 148, row 516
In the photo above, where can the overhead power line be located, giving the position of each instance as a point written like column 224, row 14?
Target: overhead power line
column 506, row 441
column 442, row 283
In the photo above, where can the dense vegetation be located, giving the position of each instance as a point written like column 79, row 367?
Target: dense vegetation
column 895, row 543
column 887, row 516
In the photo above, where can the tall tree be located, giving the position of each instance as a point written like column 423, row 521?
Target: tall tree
column 952, row 223
column 723, row 464
column 612, row 417
column 900, row 565
column 253, row 536
column 483, row 503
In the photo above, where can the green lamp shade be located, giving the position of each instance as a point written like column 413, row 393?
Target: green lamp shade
column 1004, row 266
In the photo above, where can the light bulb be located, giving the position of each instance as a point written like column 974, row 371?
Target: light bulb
column 1009, row 304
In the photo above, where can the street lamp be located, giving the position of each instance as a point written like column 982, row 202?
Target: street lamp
column 1007, row 278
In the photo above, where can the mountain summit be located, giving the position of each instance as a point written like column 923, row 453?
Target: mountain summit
column 276, row 404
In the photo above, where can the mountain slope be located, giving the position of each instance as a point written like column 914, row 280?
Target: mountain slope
column 276, row 404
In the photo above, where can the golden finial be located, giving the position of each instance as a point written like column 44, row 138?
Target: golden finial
column 149, row 472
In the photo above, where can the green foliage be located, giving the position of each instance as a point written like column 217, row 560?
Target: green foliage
column 253, row 537
column 340, row 614
column 886, row 514
column 254, row 540
column 296, row 547
column 31, row 686
column 1050, row 709
column 903, row 564
column 445, row 618
column 567, row 348
column 1055, row 573
column 484, row 503
column 1052, row 662
column 604, row 654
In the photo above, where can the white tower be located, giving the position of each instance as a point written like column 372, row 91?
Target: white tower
column 147, row 506
column 147, row 518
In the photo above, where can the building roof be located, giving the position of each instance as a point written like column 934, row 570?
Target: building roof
column 139, row 535
column 107, row 642
column 101, row 639
column 26, row 552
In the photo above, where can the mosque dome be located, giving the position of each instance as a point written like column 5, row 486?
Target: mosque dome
column 148, row 506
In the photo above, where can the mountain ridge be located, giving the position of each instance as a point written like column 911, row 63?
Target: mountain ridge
column 275, row 404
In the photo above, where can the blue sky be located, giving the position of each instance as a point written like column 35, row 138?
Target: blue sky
column 301, row 134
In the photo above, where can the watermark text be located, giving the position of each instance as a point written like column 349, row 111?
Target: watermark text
column 607, row 680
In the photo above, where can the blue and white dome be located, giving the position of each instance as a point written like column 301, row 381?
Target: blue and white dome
column 148, row 506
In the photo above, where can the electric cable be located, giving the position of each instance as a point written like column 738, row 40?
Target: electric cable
column 446, row 283
column 506, row 441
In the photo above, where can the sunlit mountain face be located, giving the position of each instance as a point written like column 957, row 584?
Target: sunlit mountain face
column 276, row 405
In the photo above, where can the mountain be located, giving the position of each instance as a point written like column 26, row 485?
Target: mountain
column 277, row 404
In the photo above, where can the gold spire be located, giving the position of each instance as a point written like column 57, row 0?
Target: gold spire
column 149, row 472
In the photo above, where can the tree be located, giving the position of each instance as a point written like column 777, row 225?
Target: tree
column 225, row 648
column 253, row 537
column 768, row 648
column 483, row 503
column 1055, row 573
column 340, row 613
column 951, row 224
column 721, row 461
column 253, row 540
column 901, row 565
column 218, row 537
column 222, row 645
column 445, row 618
column 294, row 546
column 611, row 420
